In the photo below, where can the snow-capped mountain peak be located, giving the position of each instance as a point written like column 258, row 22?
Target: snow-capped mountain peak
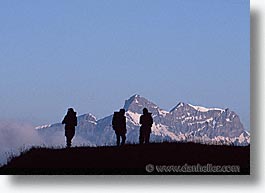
column 204, row 109
column 180, row 105
column 136, row 103
column 133, row 99
column 196, row 107
column 185, row 122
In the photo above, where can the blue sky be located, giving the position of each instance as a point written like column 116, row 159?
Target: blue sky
column 93, row 55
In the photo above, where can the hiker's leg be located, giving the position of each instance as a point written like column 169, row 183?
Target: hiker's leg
column 147, row 137
column 123, row 139
column 68, row 141
column 118, row 139
column 144, row 137
column 141, row 136
column 71, row 136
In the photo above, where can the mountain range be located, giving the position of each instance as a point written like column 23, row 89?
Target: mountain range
column 183, row 123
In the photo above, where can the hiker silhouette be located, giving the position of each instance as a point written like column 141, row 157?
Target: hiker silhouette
column 146, row 122
column 119, row 126
column 70, row 122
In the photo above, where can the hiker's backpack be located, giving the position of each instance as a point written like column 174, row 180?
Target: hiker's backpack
column 115, row 120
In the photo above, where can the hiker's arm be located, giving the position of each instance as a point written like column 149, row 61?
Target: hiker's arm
column 75, row 121
column 64, row 120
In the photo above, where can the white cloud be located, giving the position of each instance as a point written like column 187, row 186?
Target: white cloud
column 14, row 136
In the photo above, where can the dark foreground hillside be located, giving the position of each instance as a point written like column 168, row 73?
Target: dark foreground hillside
column 163, row 158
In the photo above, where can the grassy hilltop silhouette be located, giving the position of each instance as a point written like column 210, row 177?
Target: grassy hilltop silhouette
column 129, row 159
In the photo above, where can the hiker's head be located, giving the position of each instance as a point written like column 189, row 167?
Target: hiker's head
column 70, row 110
column 122, row 111
column 145, row 111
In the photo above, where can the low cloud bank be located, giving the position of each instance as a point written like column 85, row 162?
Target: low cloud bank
column 15, row 136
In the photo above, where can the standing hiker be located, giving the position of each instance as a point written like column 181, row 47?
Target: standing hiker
column 146, row 122
column 70, row 122
column 119, row 126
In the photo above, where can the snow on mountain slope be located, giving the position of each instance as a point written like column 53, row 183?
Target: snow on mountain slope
column 185, row 122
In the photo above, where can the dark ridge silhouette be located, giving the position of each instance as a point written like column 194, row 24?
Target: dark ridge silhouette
column 128, row 159
column 70, row 121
